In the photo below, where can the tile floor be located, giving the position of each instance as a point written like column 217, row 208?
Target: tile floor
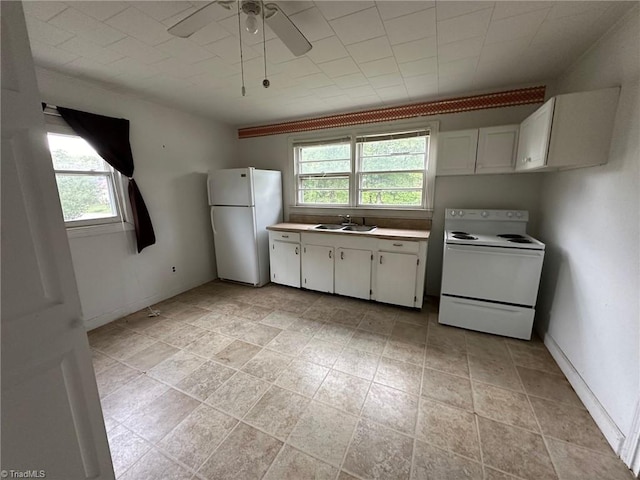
column 233, row 382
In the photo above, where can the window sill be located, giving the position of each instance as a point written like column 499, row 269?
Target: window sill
column 94, row 230
column 419, row 213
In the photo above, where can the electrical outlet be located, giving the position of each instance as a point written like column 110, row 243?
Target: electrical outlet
column 173, row 269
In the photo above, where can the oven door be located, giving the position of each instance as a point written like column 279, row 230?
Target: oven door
column 508, row 275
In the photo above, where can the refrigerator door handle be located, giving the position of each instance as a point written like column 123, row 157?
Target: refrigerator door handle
column 213, row 225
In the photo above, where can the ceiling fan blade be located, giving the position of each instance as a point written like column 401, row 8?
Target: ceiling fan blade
column 197, row 20
column 285, row 29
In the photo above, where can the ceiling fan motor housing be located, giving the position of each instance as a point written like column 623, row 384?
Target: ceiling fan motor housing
column 251, row 7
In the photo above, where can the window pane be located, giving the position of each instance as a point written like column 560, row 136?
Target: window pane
column 325, row 182
column 73, row 153
column 333, row 151
column 391, row 180
column 325, row 196
column 391, row 197
column 85, row 197
column 391, row 147
column 334, row 166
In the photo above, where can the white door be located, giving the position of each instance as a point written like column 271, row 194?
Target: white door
column 396, row 278
column 317, row 268
column 457, row 152
column 497, row 149
column 234, row 237
column 533, row 142
column 285, row 263
column 353, row 273
column 231, row 187
column 51, row 415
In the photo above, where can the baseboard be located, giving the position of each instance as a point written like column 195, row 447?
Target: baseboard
column 609, row 429
column 631, row 448
column 108, row 317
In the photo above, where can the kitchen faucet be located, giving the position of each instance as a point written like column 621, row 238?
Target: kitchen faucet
column 346, row 220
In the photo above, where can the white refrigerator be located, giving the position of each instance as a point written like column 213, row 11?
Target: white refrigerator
column 244, row 201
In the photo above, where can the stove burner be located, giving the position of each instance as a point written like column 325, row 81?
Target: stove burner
column 459, row 233
column 464, row 237
column 510, row 235
column 520, row 240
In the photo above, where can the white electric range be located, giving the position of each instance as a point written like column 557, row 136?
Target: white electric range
column 490, row 272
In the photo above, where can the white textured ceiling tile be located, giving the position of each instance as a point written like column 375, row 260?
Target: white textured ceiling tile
column 138, row 50
column 185, row 50
column 566, row 9
column 419, row 67
column 572, row 28
column 209, row 34
column 340, row 67
column 85, row 48
column 466, row 66
column 328, row 91
column 463, row 27
column 416, row 49
column 511, row 9
column 229, row 49
column 462, row 49
column 89, row 68
column 504, row 51
column 395, row 94
column 312, row 24
column 421, row 81
column 254, row 69
column 99, row 10
column 161, row 10
column 334, row 9
column 43, row 10
column 277, row 52
column 451, row 9
column 392, row 9
column 350, row 81
column 369, row 50
column 515, row 27
column 389, row 80
column 357, row 92
column 358, row 26
column 217, row 67
column 291, row 7
column 138, row 25
column 46, row 33
column 329, row 48
column 379, row 67
column 423, row 92
column 175, row 68
column 315, row 80
column 411, row 27
column 128, row 67
column 86, row 27
column 300, row 67
column 47, row 56
column 453, row 86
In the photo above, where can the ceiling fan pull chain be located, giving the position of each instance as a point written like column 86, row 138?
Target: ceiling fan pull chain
column 244, row 90
column 265, row 82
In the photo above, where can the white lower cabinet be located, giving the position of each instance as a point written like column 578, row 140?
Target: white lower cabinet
column 353, row 272
column 358, row 266
column 396, row 275
column 317, row 268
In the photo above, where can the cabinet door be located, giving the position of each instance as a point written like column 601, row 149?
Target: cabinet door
column 285, row 263
column 353, row 272
column 497, row 149
column 533, row 142
column 457, row 152
column 317, row 268
column 396, row 278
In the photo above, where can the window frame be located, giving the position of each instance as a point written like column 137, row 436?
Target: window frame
column 56, row 125
column 355, row 175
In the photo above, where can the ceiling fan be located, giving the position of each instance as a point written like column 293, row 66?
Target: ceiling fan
column 271, row 13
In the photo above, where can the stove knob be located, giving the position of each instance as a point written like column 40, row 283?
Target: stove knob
column 453, row 213
column 509, row 214
column 461, row 213
column 519, row 214
column 485, row 214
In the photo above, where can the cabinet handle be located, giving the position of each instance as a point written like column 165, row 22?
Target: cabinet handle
column 397, row 244
column 285, row 236
column 380, row 259
column 329, row 253
column 296, row 250
column 341, row 255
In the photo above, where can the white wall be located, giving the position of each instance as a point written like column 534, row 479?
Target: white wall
column 172, row 151
column 590, row 222
column 482, row 191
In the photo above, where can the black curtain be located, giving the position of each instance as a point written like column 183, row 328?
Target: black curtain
column 110, row 138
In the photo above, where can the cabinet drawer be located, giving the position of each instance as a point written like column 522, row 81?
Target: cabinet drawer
column 285, row 236
column 403, row 246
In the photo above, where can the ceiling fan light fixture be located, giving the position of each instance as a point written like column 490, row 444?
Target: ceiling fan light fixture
column 251, row 24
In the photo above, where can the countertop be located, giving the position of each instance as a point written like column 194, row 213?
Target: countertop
column 385, row 233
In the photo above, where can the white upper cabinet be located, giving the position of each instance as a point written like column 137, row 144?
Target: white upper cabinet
column 484, row 150
column 568, row 131
column 497, row 149
column 457, row 152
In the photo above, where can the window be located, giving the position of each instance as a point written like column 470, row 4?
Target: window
column 370, row 171
column 89, row 188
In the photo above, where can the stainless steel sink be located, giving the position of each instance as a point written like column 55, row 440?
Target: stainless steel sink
column 359, row 228
column 328, row 226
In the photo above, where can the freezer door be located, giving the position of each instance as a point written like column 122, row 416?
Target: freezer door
column 232, row 187
column 235, row 243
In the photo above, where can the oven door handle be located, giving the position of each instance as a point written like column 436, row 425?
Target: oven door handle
column 482, row 249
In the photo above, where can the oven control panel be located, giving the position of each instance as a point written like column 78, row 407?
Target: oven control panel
column 476, row 214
